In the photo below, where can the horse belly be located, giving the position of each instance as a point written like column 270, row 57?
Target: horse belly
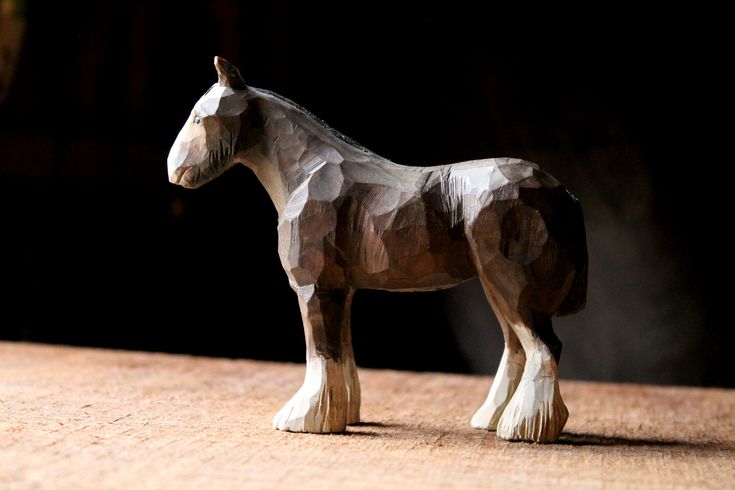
column 413, row 247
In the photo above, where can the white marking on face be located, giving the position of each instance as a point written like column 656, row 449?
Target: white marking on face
column 188, row 148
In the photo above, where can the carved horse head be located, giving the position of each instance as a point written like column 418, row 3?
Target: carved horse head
column 210, row 141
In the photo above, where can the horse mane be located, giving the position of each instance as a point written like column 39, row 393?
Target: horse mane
column 314, row 119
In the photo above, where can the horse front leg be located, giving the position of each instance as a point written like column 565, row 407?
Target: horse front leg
column 321, row 404
column 352, row 382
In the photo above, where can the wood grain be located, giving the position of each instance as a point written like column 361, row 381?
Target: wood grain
column 89, row 418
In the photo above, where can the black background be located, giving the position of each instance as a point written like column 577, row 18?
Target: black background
column 628, row 109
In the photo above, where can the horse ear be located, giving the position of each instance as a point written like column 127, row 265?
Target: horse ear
column 228, row 74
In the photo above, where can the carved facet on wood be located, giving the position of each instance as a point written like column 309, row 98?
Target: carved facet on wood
column 349, row 219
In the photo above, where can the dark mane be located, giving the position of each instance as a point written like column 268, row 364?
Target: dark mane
column 316, row 119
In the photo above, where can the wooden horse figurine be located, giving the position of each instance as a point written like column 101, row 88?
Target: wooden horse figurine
column 349, row 219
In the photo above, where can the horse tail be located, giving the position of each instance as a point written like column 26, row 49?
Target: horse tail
column 577, row 294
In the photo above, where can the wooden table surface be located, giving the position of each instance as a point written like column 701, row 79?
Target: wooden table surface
column 90, row 418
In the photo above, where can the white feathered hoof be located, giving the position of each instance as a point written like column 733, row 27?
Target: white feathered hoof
column 320, row 405
column 535, row 413
column 504, row 385
column 352, row 383
column 487, row 417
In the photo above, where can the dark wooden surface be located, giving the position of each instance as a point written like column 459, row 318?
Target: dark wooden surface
column 87, row 418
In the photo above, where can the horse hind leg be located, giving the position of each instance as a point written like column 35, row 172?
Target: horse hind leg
column 507, row 376
column 532, row 407
column 536, row 412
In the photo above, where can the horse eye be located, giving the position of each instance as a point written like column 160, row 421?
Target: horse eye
column 197, row 120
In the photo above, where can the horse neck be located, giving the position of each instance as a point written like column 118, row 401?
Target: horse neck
column 283, row 161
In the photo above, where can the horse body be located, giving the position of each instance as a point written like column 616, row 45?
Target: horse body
column 350, row 219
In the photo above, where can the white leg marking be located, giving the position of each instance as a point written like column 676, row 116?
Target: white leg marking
column 320, row 405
